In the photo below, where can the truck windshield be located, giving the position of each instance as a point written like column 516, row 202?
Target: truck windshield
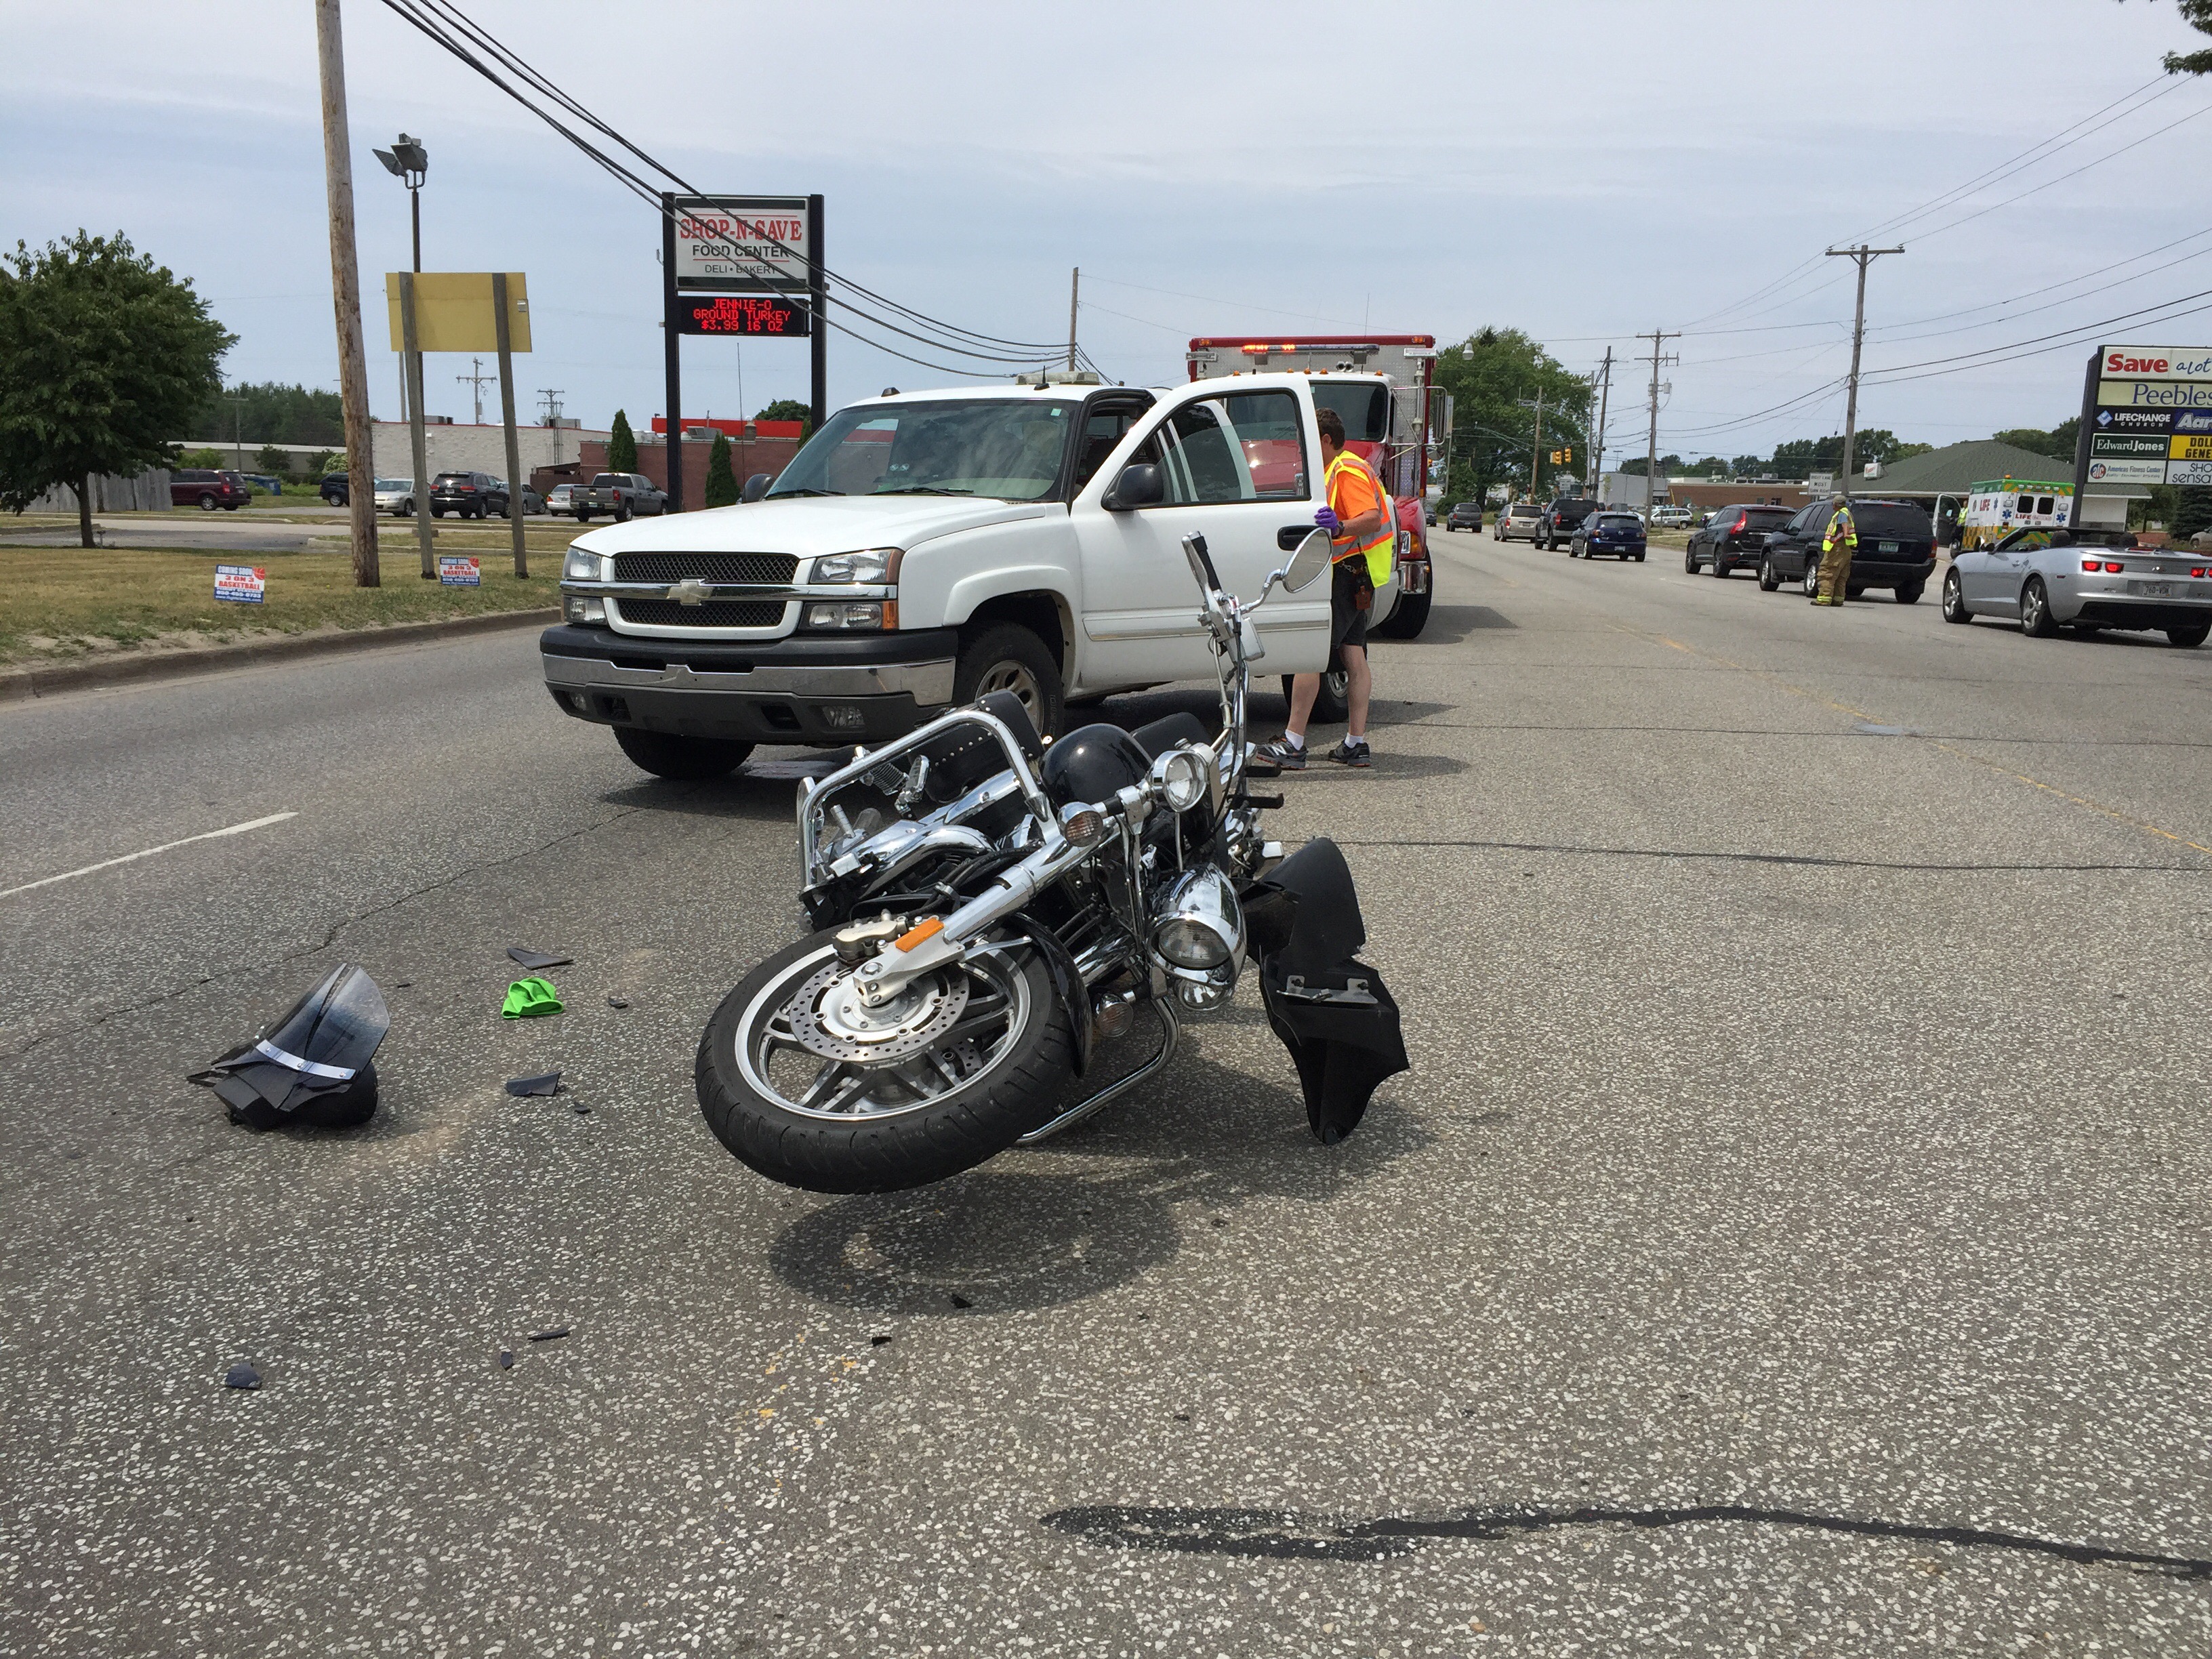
column 1008, row 447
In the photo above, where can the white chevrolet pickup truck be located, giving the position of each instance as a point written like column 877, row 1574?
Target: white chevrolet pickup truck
column 925, row 548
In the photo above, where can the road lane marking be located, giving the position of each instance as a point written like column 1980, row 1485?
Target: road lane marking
column 2113, row 812
column 166, row 846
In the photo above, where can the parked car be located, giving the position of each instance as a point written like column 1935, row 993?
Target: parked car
column 1467, row 515
column 1896, row 549
column 619, row 497
column 333, row 491
column 1560, row 519
column 2083, row 579
column 1671, row 517
column 396, row 497
column 557, row 502
column 531, row 501
column 1516, row 523
column 1620, row 534
column 468, row 495
column 207, row 489
column 1732, row 536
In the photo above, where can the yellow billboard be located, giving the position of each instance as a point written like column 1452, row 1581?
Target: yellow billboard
column 453, row 311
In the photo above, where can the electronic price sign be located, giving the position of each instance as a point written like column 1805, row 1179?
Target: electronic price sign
column 762, row 315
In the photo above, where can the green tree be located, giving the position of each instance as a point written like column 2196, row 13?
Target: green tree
column 103, row 357
column 1487, row 374
column 271, row 459
column 208, row 458
column 722, row 481
column 790, row 409
column 621, row 446
column 1743, row 466
column 2197, row 13
column 268, row 412
column 2058, row 443
column 2192, row 513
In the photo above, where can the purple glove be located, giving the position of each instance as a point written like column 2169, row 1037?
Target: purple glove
column 1328, row 520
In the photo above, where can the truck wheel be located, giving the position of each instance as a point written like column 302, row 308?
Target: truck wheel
column 582, row 517
column 667, row 755
column 1333, row 703
column 1407, row 617
column 1909, row 592
column 622, row 513
column 1007, row 657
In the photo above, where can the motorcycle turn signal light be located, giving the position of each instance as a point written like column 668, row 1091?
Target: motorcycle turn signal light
column 1085, row 828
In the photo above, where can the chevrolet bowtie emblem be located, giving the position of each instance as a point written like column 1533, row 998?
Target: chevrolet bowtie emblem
column 690, row 591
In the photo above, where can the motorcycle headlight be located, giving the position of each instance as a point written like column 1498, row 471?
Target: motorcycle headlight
column 1199, row 925
column 870, row 566
column 580, row 567
column 1179, row 776
column 1189, row 943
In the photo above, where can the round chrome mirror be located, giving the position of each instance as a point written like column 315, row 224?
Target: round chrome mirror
column 1308, row 564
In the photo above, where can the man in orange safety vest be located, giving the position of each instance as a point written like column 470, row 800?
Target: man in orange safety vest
column 1361, row 534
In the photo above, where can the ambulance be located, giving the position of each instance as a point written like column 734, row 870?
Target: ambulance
column 1995, row 507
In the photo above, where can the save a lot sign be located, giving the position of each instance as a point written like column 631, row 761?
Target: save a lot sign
column 2150, row 415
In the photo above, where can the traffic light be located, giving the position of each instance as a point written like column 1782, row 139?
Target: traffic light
column 1567, row 456
column 1555, row 458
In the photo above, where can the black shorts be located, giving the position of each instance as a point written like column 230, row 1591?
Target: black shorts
column 1348, row 622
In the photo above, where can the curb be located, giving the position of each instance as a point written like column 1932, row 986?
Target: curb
column 21, row 684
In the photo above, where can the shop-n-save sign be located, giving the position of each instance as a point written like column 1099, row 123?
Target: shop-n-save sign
column 460, row 570
column 241, row 584
column 741, row 244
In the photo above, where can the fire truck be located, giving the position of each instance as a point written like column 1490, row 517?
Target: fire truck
column 1396, row 418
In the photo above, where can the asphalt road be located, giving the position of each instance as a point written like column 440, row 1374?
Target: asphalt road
column 1793, row 1237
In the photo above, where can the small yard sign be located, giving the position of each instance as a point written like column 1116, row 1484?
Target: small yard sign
column 460, row 570
column 241, row 584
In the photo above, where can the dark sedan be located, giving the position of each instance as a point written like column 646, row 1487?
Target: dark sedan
column 1467, row 515
column 1732, row 536
column 1896, row 549
column 1620, row 534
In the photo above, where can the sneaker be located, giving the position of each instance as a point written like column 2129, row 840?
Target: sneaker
column 1283, row 754
column 1352, row 751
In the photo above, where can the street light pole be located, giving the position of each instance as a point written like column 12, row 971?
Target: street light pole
column 345, row 294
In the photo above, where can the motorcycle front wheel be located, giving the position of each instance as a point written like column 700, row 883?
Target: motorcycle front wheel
column 806, row 1086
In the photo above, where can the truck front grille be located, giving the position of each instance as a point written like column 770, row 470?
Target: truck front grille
column 715, row 613
column 762, row 570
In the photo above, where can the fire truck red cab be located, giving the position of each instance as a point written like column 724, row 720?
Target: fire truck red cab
column 1382, row 388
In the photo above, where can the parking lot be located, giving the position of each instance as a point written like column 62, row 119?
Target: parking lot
column 1792, row 1236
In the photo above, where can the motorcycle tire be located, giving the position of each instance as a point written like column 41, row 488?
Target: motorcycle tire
column 894, row 1147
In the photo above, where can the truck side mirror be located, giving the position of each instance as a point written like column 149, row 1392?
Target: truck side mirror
column 1138, row 486
column 756, row 486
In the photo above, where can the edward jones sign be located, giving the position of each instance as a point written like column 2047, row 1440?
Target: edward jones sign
column 741, row 244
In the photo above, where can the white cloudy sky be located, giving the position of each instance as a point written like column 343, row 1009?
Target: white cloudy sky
column 1582, row 169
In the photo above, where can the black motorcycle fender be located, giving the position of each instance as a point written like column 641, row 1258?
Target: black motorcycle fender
column 1067, row 980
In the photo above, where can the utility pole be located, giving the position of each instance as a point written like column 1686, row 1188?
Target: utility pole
column 1597, row 449
column 345, row 299
column 475, row 384
column 238, row 444
column 552, row 394
column 516, row 483
column 1658, row 338
column 1074, row 289
column 1862, row 256
column 1536, row 450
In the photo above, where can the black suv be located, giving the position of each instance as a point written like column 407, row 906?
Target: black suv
column 334, row 489
column 1467, row 515
column 1558, row 522
column 1733, row 536
column 471, row 495
column 1896, row 549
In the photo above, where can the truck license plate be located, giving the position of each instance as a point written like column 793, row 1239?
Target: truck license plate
column 1887, row 547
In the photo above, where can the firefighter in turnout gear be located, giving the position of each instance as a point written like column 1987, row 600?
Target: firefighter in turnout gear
column 1838, row 543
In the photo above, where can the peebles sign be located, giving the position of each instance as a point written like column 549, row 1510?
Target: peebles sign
column 2146, row 417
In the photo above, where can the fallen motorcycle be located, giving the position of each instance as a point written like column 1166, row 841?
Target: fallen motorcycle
column 992, row 911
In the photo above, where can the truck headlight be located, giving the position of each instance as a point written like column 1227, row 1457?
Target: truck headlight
column 580, row 567
column 866, row 568
column 853, row 613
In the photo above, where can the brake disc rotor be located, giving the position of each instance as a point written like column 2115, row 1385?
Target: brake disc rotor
column 830, row 1019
